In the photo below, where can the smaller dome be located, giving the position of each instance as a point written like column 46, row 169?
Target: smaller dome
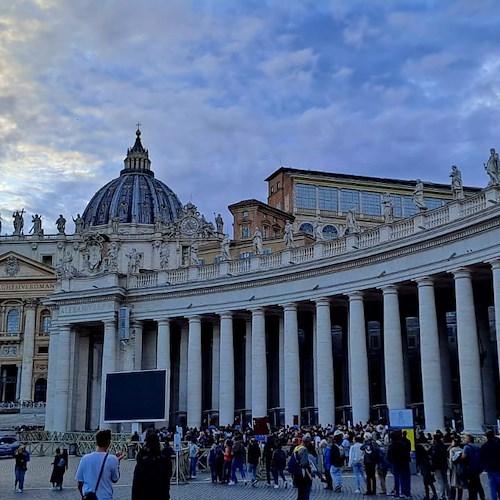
column 135, row 196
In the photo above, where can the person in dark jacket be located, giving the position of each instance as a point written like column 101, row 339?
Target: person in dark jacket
column 56, row 470
column 153, row 471
column 490, row 460
column 22, row 458
column 327, row 464
column 370, row 461
column 269, row 448
column 253, row 458
column 439, row 457
column 423, row 459
column 398, row 455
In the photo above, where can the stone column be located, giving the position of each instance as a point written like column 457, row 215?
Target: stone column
column 226, row 391
column 62, row 381
column 324, row 356
column 292, row 364
column 259, row 364
column 51, row 378
column 281, row 359
column 163, row 359
column 393, row 351
column 495, row 267
column 108, row 360
column 18, row 380
column 194, row 373
column 358, row 360
column 137, row 326
column 430, row 357
column 248, row 363
column 183, row 368
column 215, row 365
column 28, row 352
column 468, row 353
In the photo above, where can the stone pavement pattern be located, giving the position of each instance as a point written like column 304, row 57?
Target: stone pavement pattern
column 37, row 485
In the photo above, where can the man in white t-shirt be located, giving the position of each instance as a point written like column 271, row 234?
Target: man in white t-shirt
column 90, row 465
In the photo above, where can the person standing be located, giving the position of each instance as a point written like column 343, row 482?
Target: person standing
column 439, row 457
column 472, row 460
column 279, row 464
column 238, row 460
column 22, row 457
column 194, row 450
column 370, row 459
column 253, row 459
column 153, row 471
column 303, row 477
column 356, row 460
column 54, row 477
column 490, row 459
column 269, row 448
column 99, row 470
column 337, row 460
column 423, row 460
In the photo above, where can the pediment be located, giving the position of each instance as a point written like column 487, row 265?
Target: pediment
column 15, row 266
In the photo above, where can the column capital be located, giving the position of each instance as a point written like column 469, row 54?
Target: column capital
column 322, row 301
column 389, row 289
column 109, row 323
column 461, row 272
column 424, row 281
column 163, row 322
column 357, row 295
column 196, row 318
column 31, row 304
column 291, row 306
column 257, row 311
column 226, row 315
column 64, row 326
column 495, row 264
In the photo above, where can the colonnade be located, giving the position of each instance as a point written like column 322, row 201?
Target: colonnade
column 222, row 377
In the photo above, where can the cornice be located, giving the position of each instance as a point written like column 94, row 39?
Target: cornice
column 323, row 267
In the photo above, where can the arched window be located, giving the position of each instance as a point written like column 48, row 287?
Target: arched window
column 40, row 390
column 330, row 232
column 13, row 324
column 306, row 228
column 45, row 321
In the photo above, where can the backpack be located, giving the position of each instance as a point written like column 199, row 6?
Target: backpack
column 238, row 449
column 336, row 456
column 293, row 466
column 280, row 459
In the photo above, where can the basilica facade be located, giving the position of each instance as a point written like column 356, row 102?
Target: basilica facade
column 390, row 313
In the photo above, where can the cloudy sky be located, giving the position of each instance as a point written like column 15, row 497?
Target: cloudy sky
column 228, row 90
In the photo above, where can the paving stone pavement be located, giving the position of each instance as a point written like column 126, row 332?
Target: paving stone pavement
column 37, row 485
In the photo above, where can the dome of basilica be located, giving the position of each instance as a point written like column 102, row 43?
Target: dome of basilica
column 135, row 196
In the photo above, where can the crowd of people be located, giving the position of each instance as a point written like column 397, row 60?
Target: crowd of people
column 447, row 463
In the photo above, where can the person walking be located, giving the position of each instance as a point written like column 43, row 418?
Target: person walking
column 254, row 455
column 152, row 472
column 60, row 466
column 99, row 470
column 238, row 461
column 490, row 459
column 228, row 458
column 22, row 457
column 269, row 448
column 383, row 466
column 278, row 466
column 456, row 480
column 326, row 447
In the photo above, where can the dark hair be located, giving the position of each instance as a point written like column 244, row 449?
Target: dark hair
column 153, row 443
column 103, row 438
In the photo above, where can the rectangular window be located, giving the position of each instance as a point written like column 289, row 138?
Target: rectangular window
column 328, row 199
column 371, row 203
column 305, row 196
column 245, row 255
column 47, row 260
column 409, row 208
column 433, row 203
column 349, row 198
column 43, row 349
column 398, row 209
